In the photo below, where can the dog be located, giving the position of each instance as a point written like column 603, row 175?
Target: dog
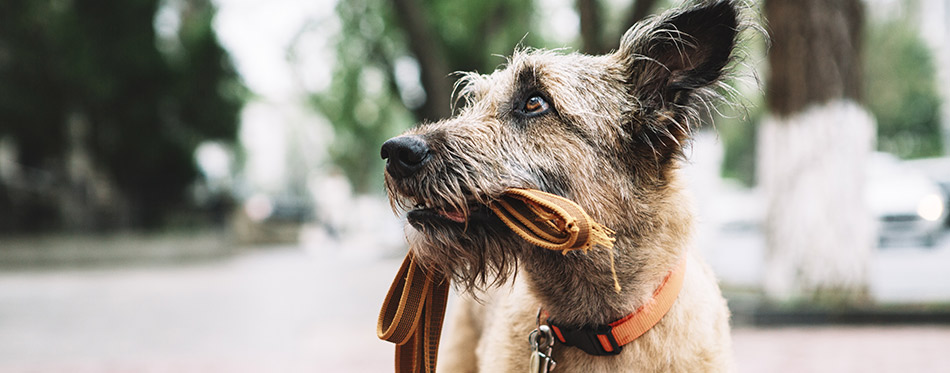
column 607, row 132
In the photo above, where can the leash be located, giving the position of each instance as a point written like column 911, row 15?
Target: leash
column 553, row 222
column 414, row 296
column 550, row 221
column 414, row 309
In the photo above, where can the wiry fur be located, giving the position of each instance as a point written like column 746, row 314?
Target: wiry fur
column 611, row 142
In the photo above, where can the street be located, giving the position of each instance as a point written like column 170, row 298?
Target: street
column 284, row 309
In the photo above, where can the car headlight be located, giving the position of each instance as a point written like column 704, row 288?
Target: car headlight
column 260, row 207
column 930, row 207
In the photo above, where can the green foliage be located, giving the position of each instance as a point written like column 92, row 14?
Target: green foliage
column 738, row 125
column 364, row 103
column 901, row 92
column 98, row 60
column 738, row 133
column 475, row 33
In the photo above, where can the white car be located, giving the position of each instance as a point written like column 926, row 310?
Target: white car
column 906, row 203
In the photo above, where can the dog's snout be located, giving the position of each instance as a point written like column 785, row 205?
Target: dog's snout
column 404, row 155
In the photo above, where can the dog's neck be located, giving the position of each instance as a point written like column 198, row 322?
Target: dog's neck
column 577, row 288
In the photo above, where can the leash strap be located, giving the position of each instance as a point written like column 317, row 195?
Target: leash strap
column 550, row 221
column 414, row 297
column 414, row 309
column 553, row 222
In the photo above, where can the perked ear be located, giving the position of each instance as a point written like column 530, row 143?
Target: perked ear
column 668, row 58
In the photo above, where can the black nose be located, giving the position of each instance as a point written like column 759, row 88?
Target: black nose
column 404, row 155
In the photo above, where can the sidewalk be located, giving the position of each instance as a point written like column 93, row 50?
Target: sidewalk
column 280, row 309
column 843, row 349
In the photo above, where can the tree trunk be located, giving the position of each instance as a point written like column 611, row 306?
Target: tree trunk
column 432, row 63
column 638, row 11
column 591, row 26
column 812, row 151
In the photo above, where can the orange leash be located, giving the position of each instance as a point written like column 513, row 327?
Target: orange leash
column 550, row 221
column 553, row 222
column 414, row 309
column 414, row 297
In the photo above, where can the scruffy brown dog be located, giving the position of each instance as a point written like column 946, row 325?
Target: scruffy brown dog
column 606, row 132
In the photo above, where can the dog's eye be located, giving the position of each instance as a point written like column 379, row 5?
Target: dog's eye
column 535, row 105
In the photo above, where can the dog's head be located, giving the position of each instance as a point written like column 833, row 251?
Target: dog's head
column 604, row 131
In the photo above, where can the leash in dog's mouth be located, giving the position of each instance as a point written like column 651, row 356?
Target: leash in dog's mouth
column 427, row 210
column 550, row 221
column 423, row 212
column 412, row 314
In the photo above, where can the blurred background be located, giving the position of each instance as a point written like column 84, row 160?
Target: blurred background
column 194, row 185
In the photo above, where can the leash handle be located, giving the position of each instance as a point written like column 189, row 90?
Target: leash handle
column 550, row 221
column 553, row 222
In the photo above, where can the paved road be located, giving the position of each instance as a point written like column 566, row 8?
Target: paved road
column 843, row 349
column 276, row 310
column 284, row 310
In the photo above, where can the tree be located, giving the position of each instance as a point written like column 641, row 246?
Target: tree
column 902, row 92
column 594, row 34
column 110, row 120
column 394, row 67
column 396, row 59
column 812, row 150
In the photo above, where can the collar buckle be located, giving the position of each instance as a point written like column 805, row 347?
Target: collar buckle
column 595, row 340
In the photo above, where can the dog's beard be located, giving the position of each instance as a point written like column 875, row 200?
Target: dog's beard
column 477, row 253
column 451, row 229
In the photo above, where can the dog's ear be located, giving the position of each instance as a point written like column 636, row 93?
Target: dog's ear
column 668, row 58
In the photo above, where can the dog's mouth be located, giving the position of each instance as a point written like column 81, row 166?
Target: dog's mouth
column 433, row 213
column 452, row 205
column 456, row 216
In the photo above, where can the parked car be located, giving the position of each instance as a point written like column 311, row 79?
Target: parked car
column 938, row 170
column 906, row 203
column 267, row 218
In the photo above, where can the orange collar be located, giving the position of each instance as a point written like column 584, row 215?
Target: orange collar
column 609, row 339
